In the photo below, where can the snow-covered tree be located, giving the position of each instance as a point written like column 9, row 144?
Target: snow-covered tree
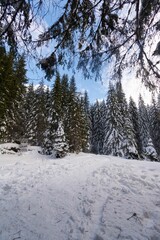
column 60, row 145
column 86, row 103
column 119, row 133
column 92, row 128
column 113, row 128
column 150, row 151
column 12, row 88
column 98, row 127
column 31, row 115
column 41, row 113
column 84, row 125
column 65, row 102
column 129, row 145
column 134, row 116
column 143, row 124
column 154, row 124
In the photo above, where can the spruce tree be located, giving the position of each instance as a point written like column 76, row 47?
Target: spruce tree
column 133, row 113
column 86, row 103
column 86, row 110
column 60, row 145
column 41, row 113
column 12, row 81
column 113, row 128
column 57, row 97
column 72, row 128
column 129, row 144
column 150, row 151
column 92, row 128
column 98, row 127
column 76, row 128
column 65, row 102
column 103, row 115
column 119, row 133
column 154, row 120
column 54, row 115
column 143, row 124
column 31, row 115
column 84, row 125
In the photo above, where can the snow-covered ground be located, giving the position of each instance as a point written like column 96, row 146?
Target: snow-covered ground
column 79, row 197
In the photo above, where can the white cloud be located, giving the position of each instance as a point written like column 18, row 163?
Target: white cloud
column 133, row 87
column 35, row 86
column 99, row 100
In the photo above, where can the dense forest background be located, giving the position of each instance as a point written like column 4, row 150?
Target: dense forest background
column 62, row 119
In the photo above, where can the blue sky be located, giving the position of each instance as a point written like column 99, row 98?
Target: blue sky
column 96, row 90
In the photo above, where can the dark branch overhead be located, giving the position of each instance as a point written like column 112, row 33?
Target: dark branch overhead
column 124, row 32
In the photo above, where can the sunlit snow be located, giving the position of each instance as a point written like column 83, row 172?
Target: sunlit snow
column 79, row 197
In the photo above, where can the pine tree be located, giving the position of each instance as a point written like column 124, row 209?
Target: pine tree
column 86, row 103
column 103, row 115
column 31, row 115
column 12, row 81
column 76, row 125
column 143, row 124
column 6, row 91
column 92, row 128
column 18, row 116
column 57, row 97
column 47, row 144
column 86, row 110
column 54, row 116
column 154, row 120
column 65, row 102
column 119, row 133
column 133, row 112
column 60, row 146
column 56, row 111
column 96, row 134
column 41, row 113
column 150, row 151
column 98, row 128
column 113, row 128
column 84, row 126
column 74, row 128
column 72, row 132
column 129, row 145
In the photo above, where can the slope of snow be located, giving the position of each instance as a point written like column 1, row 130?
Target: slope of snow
column 80, row 197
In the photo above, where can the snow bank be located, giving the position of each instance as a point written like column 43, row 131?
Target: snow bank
column 9, row 148
column 80, row 197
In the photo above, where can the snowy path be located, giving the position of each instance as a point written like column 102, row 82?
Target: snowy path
column 80, row 197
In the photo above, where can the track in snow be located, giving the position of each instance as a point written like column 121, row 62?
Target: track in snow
column 80, row 197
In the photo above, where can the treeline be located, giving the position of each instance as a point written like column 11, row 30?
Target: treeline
column 122, row 129
column 12, row 87
column 50, row 118
column 62, row 120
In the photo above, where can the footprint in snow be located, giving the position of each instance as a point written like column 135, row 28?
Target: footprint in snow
column 7, row 188
column 97, row 237
column 156, row 175
column 143, row 177
column 152, row 169
column 157, row 203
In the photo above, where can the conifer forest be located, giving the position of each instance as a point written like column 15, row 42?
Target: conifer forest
column 80, row 119
column 62, row 119
column 87, row 36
